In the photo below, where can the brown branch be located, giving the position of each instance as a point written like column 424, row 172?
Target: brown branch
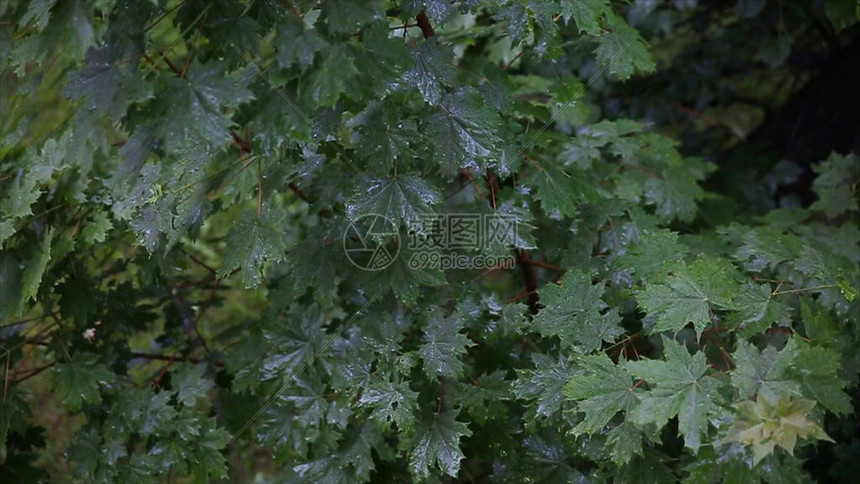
column 299, row 193
column 171, row 66
column 424, row 25
column 259, row 189
column 522, row 256
column 160, row 357
column 27, row 320
column 521, row 295
column 34, row 372
column 242, row 144
column 643, row 170
column 165, row 14
column 200, row 262
column 530, row 278
column 493, row 185
column 544, row 265
column 511, row 62
column 189, row 323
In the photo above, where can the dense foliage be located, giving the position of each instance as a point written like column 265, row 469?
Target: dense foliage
column 179, row 180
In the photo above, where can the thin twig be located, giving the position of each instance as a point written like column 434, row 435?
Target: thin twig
column 511, row 62
column 165, row 14
column 259, row 189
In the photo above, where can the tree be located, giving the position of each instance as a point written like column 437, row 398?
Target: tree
column 482, row 241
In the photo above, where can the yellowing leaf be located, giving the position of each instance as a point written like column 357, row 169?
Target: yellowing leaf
column 764, row 424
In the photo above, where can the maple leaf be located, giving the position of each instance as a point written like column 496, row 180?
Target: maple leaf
column 190, row 384
column 251, row 244
column 575, row 312
column 562, row 191
column 757, row 309
column 623, row 50
column 586, row 13
column 444, row 346
column 688, row 293
column 765, row 424
column 465, row 130
column 653, row 249
column 764, row 372
column 437, row 444
column 390, row 403
column 836, row 184
column 432, row 71
column 297, row 45
column 679, row 387
column 194, row 121
column 328, row 82
column 543, row 386
column 406, row 198
column 79, row 380
column 601, row 390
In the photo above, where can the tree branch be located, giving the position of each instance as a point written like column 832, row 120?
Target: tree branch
column 424, row 25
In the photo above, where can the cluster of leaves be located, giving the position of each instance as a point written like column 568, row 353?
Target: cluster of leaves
column 176, row 180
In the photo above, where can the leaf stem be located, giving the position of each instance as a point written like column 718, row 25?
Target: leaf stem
column 259, row 189
column 803, row 289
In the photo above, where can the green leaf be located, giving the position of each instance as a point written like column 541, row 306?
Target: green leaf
column 820, row 324
column 484, row 398
column 38, row 12
column 297, row 45
column 764, row 247
column 817, row 369
column 766, row 372
column 328, row 82
column 391, row 403
column 292, row 346
column 444, row 346
column 836, row 184
column 32, row 277
column 841, row 13
column 648, row 255
column 586, row 13
column 679, row 387
column 251, row 244
column 575, row 312
column 465, row 131
column 345, row 15
column 688, row 294
column 601, row 391
column 432, row 71
column 623, row 50
column 405, row 198
column 190, row 384
column 96, row 230
column 20, row 196
column 548, row 460
column 105, row 87
column 676, row 193
column 382, row 137
column 79, row 379
column 542, row 386
column 437, row 445
column 774, row 51
column 561, row 192
column 756, row 309
column 194, row 121
column 207, row 459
